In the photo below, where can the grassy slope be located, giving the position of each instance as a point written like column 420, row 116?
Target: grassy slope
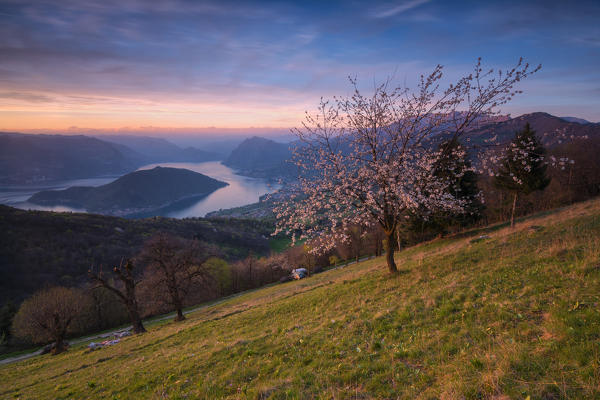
column 511, row 316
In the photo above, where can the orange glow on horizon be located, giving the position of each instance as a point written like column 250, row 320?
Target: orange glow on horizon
column 109, row 113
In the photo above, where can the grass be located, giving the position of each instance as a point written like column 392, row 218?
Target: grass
column 511, row 316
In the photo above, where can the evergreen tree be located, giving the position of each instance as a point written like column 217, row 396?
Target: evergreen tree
column 7, row 313
column 454, row 167
column 523, row 169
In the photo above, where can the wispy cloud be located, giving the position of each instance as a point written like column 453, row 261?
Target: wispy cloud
column 26, row 97
column 397, row 9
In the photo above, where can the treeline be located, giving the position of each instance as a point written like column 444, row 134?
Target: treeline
column 528, row 178
column 576, row 181
column 39, row 248
column 168, row 273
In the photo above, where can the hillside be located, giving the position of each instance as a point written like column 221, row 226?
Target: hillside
column 261, row 158
column 26, row 159
column 550, row 129
column 39, row 248
column 137, row 192
column 512, row 314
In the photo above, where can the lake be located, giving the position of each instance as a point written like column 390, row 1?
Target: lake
column 241, row 191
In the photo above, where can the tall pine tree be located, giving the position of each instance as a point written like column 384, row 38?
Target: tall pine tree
column 454, row 166
column 523, row 169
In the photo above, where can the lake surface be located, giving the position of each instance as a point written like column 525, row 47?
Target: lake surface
column 241, row 191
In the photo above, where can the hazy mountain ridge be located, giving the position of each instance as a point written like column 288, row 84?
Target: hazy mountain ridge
column 140, row 191
column 28, row 158
column 551, row 130
column 262, row 158
column 34, row 158
column 40, row 158
column 161, row 150
column 265, row 158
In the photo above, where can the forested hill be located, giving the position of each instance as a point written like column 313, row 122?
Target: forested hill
column 140, row 191
column 39, row 248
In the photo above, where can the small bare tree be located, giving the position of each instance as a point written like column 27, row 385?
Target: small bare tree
column 174, row 267
column 125, row 293
column 50, row 315
column 368, row 160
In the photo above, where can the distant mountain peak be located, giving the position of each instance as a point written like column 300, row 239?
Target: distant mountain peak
column 261, row 157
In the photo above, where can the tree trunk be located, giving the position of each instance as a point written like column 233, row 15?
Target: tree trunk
column 59, row 346
column 176, row 298
column 389, row 251
column 569, row 184
column 514, row 206
column 179, row 316
column 138, row 326
column 136, row 321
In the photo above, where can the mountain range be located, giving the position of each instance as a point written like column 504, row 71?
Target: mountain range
column 551, row 130
column 29, row 159
column 266, row 158
column 156, row 150
column 32, row 159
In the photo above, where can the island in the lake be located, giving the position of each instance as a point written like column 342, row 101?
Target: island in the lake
column 140, row 193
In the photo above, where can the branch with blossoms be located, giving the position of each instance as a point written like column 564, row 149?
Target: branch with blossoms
column 368, row 159
column 490, row 157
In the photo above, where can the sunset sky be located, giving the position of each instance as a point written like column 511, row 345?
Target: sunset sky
column 200, row 64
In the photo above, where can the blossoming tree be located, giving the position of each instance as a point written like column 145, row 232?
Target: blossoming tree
column 523, row 168
column 368, row 159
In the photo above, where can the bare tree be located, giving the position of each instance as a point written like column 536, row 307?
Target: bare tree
column 107, row 308
column 174, row 267
column 50, row 315
column 367, row 160
column 126, row 293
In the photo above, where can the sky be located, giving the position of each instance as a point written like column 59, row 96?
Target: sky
column 219, row 66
